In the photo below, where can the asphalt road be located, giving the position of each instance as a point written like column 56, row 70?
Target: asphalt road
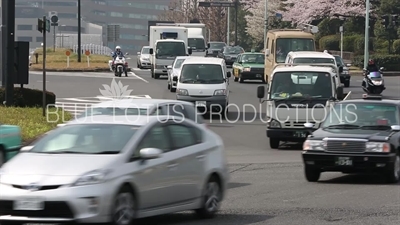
column 267, row 186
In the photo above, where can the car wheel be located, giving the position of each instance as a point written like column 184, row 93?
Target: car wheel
column 240, row 79
column 393, row 175
column 235, row 79
column 312, row 175
column 211, row 199
column 124, row 207
column 274, row 143
column 347, row 83
column 156, row 76
column 173, row 89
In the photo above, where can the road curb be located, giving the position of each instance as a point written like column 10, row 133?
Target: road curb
column 78, row 70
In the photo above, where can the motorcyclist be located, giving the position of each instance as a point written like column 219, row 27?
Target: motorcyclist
column 118, row 53
column 372, row 67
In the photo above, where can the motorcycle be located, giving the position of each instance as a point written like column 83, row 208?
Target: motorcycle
column 120, row 66
column 373, row 82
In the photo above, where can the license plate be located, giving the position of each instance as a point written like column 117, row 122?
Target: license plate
column 201, row 104
column 344, row 161
column 32, row 204
column 258, row 75
column 300, row 134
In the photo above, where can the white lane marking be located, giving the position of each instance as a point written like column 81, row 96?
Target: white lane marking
column 132, row 73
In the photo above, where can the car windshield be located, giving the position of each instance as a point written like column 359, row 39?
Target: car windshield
column 253, row 58
column 178, row 63
column 363, row 114
column 286, row 45
column 217, row 45
column 233, row 50
column 170, row 49
column 287, row 85
column 202, row 73
column 314, row 60
column 86, row 139
column 339, row 61
column 146, row 51
column 196, row 43
column 116, row 111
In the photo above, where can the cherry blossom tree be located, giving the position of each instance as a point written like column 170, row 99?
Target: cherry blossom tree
column 304, row 11
column 256, row 21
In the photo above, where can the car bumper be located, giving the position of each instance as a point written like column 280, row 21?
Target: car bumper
column 287, row 134
column 360, row 162
column 253, row 75
column 145, row 64
column 161, row 71
column 344, row 77
column 64, row 204
column 229, row 61
column 216, row 103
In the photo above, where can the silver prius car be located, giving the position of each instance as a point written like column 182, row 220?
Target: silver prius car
column 174, row 70
column 114, row 171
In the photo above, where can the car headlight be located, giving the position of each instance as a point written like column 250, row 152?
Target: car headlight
column 272, row 123
column 246, row 69
column 377, row 147
column 376, row 82
column 345, row 72
column 314, row 145
column 220, row 92
column 182, row 92
column 92, row 177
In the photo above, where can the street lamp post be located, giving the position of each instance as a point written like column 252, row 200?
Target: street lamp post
column 79, row 33
column 366, row 46
column 266, row 24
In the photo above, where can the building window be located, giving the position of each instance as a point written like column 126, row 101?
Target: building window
column 116, row 14
column 29, row 39
column 132, row 26
column 100, row 13
column 67, row 15
column 70, row 28
column 24, row 27
column 39, row 39
column 100, row 2
column 65, row 3
column 133, row 37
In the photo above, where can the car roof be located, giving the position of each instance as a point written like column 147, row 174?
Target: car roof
column 308, row 54
column 121, row 120
column 146, row 47
column 252, row 53
column 203, row 60
column 304, row 68
column 183, row 57
column 217, row 42
column 137, row 103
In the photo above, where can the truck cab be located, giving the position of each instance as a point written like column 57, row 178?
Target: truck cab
column 298, row 94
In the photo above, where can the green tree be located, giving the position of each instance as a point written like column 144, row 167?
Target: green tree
column 387, row 7
column 244, row 40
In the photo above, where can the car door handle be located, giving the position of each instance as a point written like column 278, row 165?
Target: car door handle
column 172, row 165
column 200, row 157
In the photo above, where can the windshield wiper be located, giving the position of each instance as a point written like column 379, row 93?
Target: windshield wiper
column 65, row 152
column 376, row 127
column 105, row 153
column 343, row 126
column 188, row 81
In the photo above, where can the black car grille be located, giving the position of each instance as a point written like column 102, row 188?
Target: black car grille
column 257, row 70
column 215, row 52
column 43, row 188
column 51, row 210
column 345, row 146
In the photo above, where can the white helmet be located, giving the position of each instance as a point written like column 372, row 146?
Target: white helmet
column 118, row 47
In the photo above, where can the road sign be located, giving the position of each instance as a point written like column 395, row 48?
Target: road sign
column 87, row 52
column 217, row 4
column 113, row 33
column 67, row 53
column 48, row 25
column 40, row 26
column 54, row 19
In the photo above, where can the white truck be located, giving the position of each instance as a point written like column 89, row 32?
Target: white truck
column 299, row 94
column 197, row 33
column 166, row 43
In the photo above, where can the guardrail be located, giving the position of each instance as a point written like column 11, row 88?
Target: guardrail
column 94, row 49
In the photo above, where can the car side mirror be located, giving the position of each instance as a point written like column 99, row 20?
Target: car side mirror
column 395, row 128
column 348, row 65
column 26, row 148
column 229, row 74
column 339, row 93
column 169, row 67
column 340, row 69
column 267, row 52
column 190, row 51
column 150, row 153
column 208, row 45
column 260, row 92
column 138, row 53
column 308, row 125
column 382, row 68
column 151, row 51
column 175, row 79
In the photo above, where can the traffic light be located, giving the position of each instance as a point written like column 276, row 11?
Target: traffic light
column 394, row 20
column 385, row 21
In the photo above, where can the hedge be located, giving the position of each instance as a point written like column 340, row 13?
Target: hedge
column 330, row 42
column 390, row 62
column 25, row 97
column 348, row 42
column 396, row 47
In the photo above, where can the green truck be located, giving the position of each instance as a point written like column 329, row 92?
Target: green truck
column 249, row 66
column 10, row 142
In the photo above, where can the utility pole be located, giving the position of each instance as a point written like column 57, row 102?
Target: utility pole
column 366, row 47
column 228, row 22
column 8, row 31
column 236, row 21
column 266, row 24
column 79, row 33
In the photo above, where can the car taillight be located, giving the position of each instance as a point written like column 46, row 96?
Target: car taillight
column 126, row 63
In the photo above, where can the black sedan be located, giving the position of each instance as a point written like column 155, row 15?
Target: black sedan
column 229, row 54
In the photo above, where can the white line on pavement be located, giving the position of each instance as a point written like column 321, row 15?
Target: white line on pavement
column 139, row 77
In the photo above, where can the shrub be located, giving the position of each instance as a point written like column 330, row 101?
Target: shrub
column 33, row 124
column 359, row 44
column 348, row 42
column 390, row 62
column 330, row 42
column 396, row 46
column 25, row 97
column 381, row 46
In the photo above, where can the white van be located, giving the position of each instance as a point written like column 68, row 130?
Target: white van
column 205, row 82
column 309, row 57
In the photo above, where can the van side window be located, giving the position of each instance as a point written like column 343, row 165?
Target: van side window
column 267, row 42
column 272, row 47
